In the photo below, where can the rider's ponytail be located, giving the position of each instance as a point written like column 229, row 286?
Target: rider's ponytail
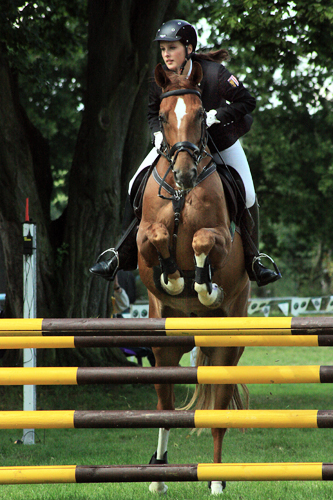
column 215, row 56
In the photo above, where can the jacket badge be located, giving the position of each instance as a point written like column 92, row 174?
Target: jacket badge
column 233, row 81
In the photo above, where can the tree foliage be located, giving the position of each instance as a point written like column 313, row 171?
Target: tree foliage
column 281, row 50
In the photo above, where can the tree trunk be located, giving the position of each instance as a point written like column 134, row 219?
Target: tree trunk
column 121, row 60
column 112, row 141
column 24, row 173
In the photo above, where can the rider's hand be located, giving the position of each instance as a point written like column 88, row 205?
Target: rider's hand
column 211, row 118
column 158, row 139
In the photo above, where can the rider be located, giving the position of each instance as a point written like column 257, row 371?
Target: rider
column 226, row 123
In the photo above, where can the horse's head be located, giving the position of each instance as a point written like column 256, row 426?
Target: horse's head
column 183, row 123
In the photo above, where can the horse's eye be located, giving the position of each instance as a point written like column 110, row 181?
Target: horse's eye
column 163, row 118
column 201, row 114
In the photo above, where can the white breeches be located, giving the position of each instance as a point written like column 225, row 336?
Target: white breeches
column 233, row 156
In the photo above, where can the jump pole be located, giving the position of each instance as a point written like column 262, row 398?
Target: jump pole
column 154, row 419
column 168, row 375
column 29, row 311
column 313, row 471
column 188, row 341
column 167, row 326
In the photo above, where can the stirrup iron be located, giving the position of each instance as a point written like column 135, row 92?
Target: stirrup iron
column 115, row 254
column 257, row 258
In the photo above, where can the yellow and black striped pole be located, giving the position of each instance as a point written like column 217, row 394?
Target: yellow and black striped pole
column 154, row 419
column 313, row 471
column 167, row 326
column 168, row 375
column 166, row 341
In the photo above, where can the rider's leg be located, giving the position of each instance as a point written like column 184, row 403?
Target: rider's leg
column 235, row 157
column 250, row 237
column 124, row 255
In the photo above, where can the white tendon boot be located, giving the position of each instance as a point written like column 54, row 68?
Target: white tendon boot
column 214, row 299
column 163, row 437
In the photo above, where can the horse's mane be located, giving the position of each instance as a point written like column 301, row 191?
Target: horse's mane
column 179, row 82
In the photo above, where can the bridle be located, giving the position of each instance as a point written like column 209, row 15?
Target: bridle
column 197, row 153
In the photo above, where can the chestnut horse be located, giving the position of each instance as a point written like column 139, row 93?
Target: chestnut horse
column 184, row 234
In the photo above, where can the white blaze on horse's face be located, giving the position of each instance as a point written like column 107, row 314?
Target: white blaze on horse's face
column 180, row 110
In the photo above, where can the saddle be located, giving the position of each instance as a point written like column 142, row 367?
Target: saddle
column 139, row 187
column 234, row 191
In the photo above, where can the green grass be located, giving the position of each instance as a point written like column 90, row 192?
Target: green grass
column 118, row 446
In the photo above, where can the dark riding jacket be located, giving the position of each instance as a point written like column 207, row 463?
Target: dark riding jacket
column 217, row 86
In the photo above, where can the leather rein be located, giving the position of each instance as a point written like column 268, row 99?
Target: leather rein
column 197, row 153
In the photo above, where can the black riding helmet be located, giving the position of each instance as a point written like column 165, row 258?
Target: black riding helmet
column 177, row 30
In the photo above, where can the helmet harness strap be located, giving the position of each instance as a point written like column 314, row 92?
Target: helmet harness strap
column 187, row 57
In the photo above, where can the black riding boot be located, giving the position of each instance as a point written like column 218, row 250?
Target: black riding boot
column 125, row 253
column 250, row 237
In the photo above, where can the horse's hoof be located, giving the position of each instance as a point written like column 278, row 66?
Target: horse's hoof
column 212, row 300
column 217, row 487
column 159, row 488
column 174, row 286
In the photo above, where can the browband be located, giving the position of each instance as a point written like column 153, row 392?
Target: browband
column 180, row 92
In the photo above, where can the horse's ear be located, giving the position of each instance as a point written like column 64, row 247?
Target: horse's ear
column 161, row 77
column 196, row 73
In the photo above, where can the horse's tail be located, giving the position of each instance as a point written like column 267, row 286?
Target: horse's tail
column 204, row 395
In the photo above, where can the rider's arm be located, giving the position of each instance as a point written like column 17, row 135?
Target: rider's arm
column 240, row 101
column 154, row 107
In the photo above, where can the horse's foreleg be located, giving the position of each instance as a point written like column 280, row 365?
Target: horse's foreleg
column 204, row 243
column 165, row 401
column 160, row 457
column 223, row 397
column 171, row 280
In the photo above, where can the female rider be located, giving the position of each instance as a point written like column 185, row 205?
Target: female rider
column 227, row 123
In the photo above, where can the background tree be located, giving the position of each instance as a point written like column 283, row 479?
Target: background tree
column 281, row 49
column 102, row 100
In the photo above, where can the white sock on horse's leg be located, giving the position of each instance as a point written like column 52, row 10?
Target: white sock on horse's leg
column 162, row 447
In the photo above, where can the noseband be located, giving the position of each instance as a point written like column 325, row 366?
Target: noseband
column 193, row 150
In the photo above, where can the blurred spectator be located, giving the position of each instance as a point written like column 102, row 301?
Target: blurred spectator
column 124, row 295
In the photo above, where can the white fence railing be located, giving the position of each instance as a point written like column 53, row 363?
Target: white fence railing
column 288, row 306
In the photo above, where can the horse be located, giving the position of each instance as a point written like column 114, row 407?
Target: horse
column 185, row 234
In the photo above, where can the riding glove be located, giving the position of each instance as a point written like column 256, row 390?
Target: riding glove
column 211, row 118
column 158, row 139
